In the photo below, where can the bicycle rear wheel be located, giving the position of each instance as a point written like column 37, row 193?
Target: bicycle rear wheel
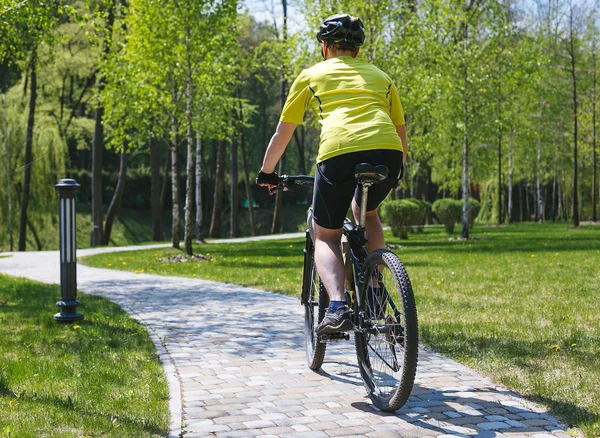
column 387, row 343
column 316, row 301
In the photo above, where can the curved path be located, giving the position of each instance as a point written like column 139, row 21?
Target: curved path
column 235, row 362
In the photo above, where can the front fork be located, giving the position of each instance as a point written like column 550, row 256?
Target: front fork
column 307, row 269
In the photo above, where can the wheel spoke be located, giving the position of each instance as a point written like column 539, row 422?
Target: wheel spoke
column 387, row 343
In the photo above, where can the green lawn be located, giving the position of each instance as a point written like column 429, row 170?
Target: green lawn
column 98, row 377
column 518, row 303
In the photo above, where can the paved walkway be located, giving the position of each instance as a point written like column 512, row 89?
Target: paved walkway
column 235, row 362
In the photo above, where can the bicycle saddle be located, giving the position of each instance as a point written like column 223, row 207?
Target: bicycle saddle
column 366, row 174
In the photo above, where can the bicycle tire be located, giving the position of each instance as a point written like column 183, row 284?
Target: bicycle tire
column 387, row 347
column 315, row 297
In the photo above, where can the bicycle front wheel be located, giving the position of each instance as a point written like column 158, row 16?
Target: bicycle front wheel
column 315, row 303
column 387, row 341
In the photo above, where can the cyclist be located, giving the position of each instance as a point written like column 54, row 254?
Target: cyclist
column 361, row 120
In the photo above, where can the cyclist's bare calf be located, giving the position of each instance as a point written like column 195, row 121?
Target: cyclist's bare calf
column 374, row 229
column 328, row 258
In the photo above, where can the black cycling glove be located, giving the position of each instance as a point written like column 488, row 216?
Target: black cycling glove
column 267, row 178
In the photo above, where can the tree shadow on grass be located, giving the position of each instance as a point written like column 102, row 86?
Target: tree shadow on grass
column 68, row 406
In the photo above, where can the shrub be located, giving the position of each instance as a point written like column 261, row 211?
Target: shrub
column 400, row 215
column 448, row 212
column 424, row 213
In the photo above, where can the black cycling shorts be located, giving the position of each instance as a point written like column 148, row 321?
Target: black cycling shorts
column 335, row 184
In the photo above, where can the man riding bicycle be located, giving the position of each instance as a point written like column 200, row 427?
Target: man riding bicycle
column 362, row 121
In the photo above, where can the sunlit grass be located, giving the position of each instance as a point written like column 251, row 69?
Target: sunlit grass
column 97, row 377
column 518, row 303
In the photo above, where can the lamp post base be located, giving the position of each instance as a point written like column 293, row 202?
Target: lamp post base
column 68, row 311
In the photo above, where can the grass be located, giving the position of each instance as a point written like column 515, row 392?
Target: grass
column 98, row 377
column 518, row 303
column 269, row 265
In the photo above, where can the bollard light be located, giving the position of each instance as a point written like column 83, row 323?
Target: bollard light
column 68, row 252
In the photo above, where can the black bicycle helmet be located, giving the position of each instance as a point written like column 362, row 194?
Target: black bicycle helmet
column 342, row 28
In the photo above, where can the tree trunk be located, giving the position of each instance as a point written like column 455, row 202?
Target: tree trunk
column 554, row 198
column 539, row 202
column 510, row 177
column 9, row 190
column 189, row 187
column 199, row 206
column 276, row 225
column 245, row 166
column 155, row 192
column 97, row 237
column 234, row 216
column 594, row 158
column 189, row 169
column 115, row 204
column 28, row 150
column 175, row 226
column 38, row 243
column 465, row 164
column 499, row 134
column 215, row 222
column 521, row 202
column 211, row 174
column 575, row 122
column 163, row 190
column 559, row 208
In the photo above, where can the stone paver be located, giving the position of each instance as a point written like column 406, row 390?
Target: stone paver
column 236, row 366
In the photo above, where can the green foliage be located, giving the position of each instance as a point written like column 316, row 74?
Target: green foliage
column 424, row 213
column 448, row 211
column 400, row 215
column 163, row 47
column 488, row 212
column 49, row 165
column 474, row 207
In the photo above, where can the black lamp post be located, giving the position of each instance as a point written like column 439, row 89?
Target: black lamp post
column 68, row 252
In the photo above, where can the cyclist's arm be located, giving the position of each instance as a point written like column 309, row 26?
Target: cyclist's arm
column 401, row 130
column 277, row 146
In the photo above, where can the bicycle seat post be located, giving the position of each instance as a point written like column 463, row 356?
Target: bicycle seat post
column 366, row 175
column 363, row 205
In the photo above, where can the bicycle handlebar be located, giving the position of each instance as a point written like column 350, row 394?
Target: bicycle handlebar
column 290, row 182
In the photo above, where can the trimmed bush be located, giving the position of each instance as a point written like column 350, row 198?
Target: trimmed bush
column 448, row 212
column 424, row 213
column 400, row 215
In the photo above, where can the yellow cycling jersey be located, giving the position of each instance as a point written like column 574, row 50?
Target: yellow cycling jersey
column 357, row 106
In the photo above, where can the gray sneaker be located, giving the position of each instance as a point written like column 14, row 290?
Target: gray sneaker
column 335, row 322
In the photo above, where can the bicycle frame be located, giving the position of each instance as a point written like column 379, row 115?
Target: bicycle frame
column 355, row 234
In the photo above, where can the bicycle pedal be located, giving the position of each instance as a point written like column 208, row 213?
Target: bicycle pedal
column 334, row 337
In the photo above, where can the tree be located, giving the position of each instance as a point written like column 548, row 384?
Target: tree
column 25, row 27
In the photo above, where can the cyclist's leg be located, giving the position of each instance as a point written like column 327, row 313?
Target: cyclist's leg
column 328, row 258
column 374, row 229
column 334, row 188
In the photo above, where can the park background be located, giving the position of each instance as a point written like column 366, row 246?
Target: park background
column 162, row 111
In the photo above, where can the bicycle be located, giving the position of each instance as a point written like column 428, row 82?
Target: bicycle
column 380, row 298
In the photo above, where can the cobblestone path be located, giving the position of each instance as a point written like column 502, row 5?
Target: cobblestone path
column 235, row 361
